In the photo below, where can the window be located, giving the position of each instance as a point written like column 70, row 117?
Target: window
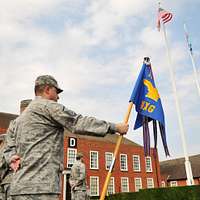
column 136, row 163
column 94, row 160
column 111, row 186
column 124, row 184
column 123, row 162
column 148, row 164
column 138, row 184
column 150, row 183
column 71, row 157
column 163, row 184
column 173, row 183
column 108, row 158
column 94, row 186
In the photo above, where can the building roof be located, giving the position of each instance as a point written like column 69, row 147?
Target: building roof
column 111, row 138
column 5, row 119
column 175, row 169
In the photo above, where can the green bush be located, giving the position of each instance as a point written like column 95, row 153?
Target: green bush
column 172, row 193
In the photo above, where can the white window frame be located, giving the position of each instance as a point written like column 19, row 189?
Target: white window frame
column 173, row 183
column 126, row 162
column 122, row 186
column 70, row 160
column 97, row 160
column 97, row 186
column 148, row 164
column 150, row 183
column 138, row 186
column 108, row 162
column 111, row 186
column 162, row 183
column 136, row 167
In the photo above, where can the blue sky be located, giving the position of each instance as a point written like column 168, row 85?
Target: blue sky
column 95, row 50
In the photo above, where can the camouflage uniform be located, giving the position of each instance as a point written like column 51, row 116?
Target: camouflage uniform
column 78, row 181
column 39, row 143
column 2, row 171
column 5, row 184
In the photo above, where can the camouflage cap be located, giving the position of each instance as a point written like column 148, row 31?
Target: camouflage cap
column 47, row 80
column 79, row 155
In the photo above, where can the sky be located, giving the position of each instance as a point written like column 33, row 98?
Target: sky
column 95, row 49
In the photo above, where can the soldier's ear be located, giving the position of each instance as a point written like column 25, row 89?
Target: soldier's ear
column 47, row 89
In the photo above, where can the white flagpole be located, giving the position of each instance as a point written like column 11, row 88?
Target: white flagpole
column 188, row 168
column 193, row 63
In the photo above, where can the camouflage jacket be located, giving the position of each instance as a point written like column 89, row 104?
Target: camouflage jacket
column 7, row 152
column 78, row 176
column 39, row 143
column 3, row 166
column 10, row 142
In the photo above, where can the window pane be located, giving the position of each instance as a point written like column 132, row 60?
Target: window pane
column 94, row 160
column 173, row 183
column 111, row 186
column 94, row 186
column 71, row 157
column 138, row 184
column 124, row 184
column 136, row 163
column 150, row 183
column 148, row 164
column 123, row 162
column 109, row 157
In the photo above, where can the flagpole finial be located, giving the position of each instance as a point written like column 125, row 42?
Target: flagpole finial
column 146, row 61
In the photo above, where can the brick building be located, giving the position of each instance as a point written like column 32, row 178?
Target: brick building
column 173, row 171
column 132, row 170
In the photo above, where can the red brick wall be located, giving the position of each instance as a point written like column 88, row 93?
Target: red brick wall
column 85, row 146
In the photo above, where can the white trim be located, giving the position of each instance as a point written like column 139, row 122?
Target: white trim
column 162, row 183
column 136, row 170
column 97, row 160
column 71, row 163
column 150, row 183
column 97, row 179
column 106, row 164
column 140, row 184
column 173, row 183
column 113, row 186
column 147, row 167
column 126, row 162
column 127, row 181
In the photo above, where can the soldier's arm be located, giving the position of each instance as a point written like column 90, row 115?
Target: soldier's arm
column 77, row 123
column 10, row 153
column 10, row 147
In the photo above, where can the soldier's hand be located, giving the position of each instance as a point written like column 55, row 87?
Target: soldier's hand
column 122, row 128
column 15, row 163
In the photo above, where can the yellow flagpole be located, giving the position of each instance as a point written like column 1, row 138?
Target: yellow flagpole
column 105, row 187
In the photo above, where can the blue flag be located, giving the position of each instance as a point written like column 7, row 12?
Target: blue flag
column 148, row 106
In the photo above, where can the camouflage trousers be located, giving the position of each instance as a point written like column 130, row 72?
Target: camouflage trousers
column 79, row 195
column 36, row 197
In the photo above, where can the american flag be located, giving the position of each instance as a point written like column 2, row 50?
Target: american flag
column 163, row 16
